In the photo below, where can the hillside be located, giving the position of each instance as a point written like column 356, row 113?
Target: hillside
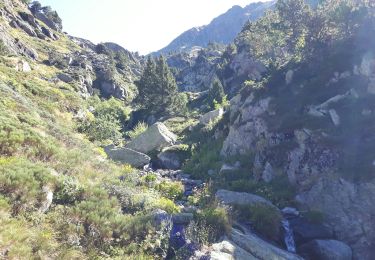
column 260, row 148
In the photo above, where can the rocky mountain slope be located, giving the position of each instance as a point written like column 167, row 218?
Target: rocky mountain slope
column 222, row 29
column 285, row 170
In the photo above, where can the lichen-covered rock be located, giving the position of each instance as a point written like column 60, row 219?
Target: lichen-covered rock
column 242, row 198
column 127, row 156
column 211, row 116
column 155, row 137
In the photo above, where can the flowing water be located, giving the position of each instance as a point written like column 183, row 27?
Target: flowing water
column 288, row 236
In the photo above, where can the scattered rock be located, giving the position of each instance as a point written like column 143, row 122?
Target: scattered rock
column 211, row 116
column 334, row 117
column 128, row 156
column 156, row 137
column 290, row 211
column 241, row 198
column 268, row 173
column 289, row 77
column 23, row 66
column 227, row 168
column 48, row 199
column 65, row 78
column 161, row 218
column 326, row 250
column 112, row 89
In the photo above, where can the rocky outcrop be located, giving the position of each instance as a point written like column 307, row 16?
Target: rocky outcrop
column 259, row 248
column 211, row 116
column 170, row 159
column 348, row 209
column 127, row 156
column 47, row 202
column 305, row 231
column 326, row 250
column 155, row 137
column 241, row 198
column 228, row 250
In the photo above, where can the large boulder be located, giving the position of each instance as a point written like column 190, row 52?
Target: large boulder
column 326, row 250
column 211, row 116
column 156, row 137
column 242, row 198
column 127, row 156
column 305, row 231
column 259, row 248
column 227, row 250
column 172, row 157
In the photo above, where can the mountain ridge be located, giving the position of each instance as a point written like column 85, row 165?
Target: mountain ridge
column 222, row 29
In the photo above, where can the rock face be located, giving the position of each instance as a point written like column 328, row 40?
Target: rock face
column 155, row 137
column 227, row 250
column 304, row 231
column 307, row 145
column 326, row 250
column 349, row 209
column 241, row 198
column 211, row 116
column 259, row 248
column 169, row 159
column 48, row 199
column 128, row 156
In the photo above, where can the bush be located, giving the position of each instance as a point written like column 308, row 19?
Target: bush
column 265, row 219
column 171, row 190
column 140, row 128
column 22, row 182
column 212, row 223
column 68, row 191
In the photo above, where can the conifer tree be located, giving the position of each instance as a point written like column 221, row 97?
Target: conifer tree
column 216, row 94
column 157, row 88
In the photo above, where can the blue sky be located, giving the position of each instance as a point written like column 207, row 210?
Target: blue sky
column 138, row 25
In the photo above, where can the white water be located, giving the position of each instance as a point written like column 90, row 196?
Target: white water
column 288, row 236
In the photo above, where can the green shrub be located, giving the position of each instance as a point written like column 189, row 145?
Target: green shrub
column 212, row 223
column 171, row 190
column 167, row 205
column 140, row 128
column 265, row 219
column 102, row 128
column 22, row 181
column 204, row 158
column 68, row 191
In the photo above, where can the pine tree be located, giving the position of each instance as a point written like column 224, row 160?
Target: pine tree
column 157, row 88
column 216, row 94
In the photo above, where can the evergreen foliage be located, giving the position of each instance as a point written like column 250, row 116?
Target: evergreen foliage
column 158, row 89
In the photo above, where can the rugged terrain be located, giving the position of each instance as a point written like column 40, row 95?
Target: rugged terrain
column 258, row 149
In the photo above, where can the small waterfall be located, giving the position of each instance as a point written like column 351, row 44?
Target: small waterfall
column 288, row 236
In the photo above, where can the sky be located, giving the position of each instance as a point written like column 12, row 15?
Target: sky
column 137, row 25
